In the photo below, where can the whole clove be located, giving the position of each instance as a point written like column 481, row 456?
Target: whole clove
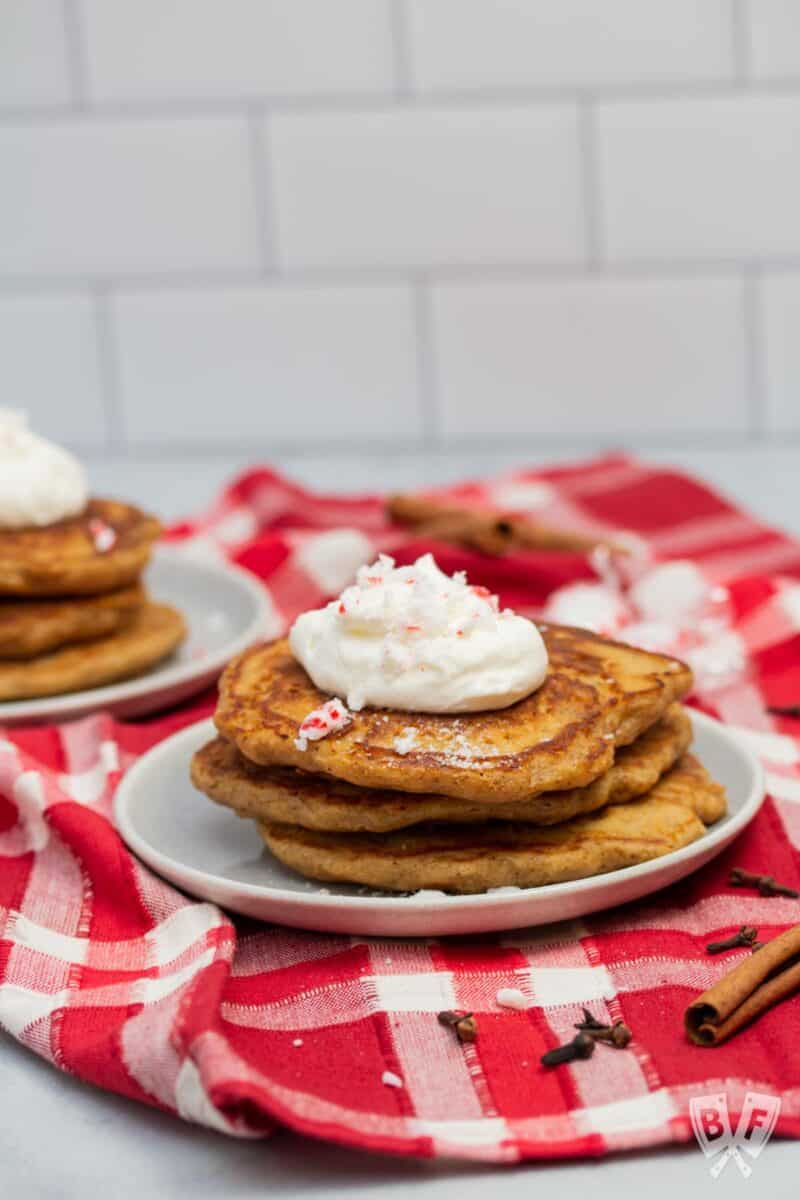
column 464, row 1024
column 589, row 1021
column 784, row 710
column 745, row 936
column 618, row 1034
column 765, row 884
column 581, row 1046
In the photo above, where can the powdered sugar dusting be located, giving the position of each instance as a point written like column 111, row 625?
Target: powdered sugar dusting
column 406, row 741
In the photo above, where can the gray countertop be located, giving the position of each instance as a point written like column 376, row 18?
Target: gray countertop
column 60, row 1139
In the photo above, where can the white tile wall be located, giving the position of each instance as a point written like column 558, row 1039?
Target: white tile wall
column 167, row 49
column 564, row 43
column 704, row 178
column 267, row 364
column 781, row 295
column 624, row 357
column 49, row 364
column 774, row 26
column 33, row 54
column 427, row 187
column 99, row 197
column 270, row 222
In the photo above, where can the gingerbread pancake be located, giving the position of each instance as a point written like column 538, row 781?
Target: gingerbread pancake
column 151, row 634
column 598, row 695
column 291, row 797
column 102, row 549
column 473, row 858
column 29, row 628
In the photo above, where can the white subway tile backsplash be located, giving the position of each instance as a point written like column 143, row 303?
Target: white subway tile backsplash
column 200, row 49
column 704, row 178
column 265, row 365
column 774, row 32
column 497, row 44
column 418, row 188
column 377, row 219
column 98, row 197
column 33, row 54
column 618, row 357
column 781, row 323
column 49, row 365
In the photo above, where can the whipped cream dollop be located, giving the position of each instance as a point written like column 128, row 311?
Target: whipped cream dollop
column 39, row 482
column 416, row 639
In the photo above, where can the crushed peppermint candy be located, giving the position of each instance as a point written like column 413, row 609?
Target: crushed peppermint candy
column 332, row 716
column 103, row 536
column 391, row 1080
column 512, row 998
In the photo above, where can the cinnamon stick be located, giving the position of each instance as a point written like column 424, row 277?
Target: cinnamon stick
column 492, row 531
column 747, row 991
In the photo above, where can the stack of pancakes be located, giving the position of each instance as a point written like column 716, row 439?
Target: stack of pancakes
column 588, row 774
column 73, row 613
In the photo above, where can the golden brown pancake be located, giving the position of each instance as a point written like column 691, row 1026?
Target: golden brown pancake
column 506, row 854
column 693, row 786
column 291, row 797
column 102, row 549
column 152, row 633
column 597, row 695
column 29, row 628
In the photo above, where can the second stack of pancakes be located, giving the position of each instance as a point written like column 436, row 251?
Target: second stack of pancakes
column 589, row 774
column 73, row 611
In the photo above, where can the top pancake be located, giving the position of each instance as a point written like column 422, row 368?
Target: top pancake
column 103, row 548
column 597, row 695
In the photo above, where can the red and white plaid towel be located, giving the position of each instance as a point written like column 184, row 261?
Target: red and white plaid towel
column 119, row 979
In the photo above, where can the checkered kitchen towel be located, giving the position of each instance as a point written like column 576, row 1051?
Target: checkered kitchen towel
column 114, row 976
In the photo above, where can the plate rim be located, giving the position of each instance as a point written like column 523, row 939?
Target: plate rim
column 434, row 904
column 46, row 708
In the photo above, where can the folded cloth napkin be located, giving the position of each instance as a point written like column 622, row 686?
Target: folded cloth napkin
column 116, row 977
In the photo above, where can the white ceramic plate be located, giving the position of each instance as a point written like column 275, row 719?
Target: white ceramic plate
column 225, row 611
column 210, row 852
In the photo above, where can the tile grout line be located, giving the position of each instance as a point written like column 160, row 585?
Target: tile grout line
column 755, row 382
column 77, row 62
column 200, row 108
column 740, row 43
column 261, row 172
column 428, row 399
column 342, row 277
column 108, row 364
column 591, row 197
column 709, row 440
column 401, row 50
